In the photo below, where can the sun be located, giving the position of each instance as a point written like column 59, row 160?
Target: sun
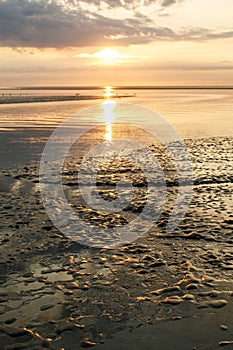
column 108, row 55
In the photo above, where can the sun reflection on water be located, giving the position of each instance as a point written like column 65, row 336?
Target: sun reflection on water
column 108, row 91
column 108, row 133
column 108, row 106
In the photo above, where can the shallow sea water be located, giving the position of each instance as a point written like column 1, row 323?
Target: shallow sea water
column 163, row 291
column 194, row 113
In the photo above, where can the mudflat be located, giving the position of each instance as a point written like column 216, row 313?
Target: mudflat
column 162, row 291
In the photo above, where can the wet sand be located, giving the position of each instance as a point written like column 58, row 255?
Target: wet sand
column 163, row 291
column 11, row 99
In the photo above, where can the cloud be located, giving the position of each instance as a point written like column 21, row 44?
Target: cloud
column 71, row 23
column 42, row 24
column 163, row 3
column 192, row 66
column 106, row 53
column 166, row 3
column 87, row 61
column 127, row 4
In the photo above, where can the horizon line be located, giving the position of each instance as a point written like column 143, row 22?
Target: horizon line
column 116, row 87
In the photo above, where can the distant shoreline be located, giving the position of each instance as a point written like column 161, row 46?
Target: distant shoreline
column 14, row 99
column 31, row 99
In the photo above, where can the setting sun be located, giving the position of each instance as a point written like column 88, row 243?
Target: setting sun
column 108, row 55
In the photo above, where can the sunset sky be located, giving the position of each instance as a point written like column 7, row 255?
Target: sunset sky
column 116, row 42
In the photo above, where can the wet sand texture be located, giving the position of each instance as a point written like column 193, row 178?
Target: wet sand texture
column 162, row 292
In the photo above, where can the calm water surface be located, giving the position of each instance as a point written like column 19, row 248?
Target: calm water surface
column 194, row 113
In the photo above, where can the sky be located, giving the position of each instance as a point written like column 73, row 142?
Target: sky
column 116, row 42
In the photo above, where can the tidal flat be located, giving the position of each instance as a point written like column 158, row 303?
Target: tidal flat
column 162, row 291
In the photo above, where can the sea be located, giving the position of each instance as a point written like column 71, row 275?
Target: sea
column 194, row 113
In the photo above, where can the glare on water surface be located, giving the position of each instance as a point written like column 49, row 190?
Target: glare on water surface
column 108, row 106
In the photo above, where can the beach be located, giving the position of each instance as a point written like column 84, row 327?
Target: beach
column 164, row 290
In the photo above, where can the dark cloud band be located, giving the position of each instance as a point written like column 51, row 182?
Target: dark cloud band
column 43, row 24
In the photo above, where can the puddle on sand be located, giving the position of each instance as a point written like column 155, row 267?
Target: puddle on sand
column 34, row 308
column 59, row 276
column 27, row 299
column 9, row 184
column 50, row 272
